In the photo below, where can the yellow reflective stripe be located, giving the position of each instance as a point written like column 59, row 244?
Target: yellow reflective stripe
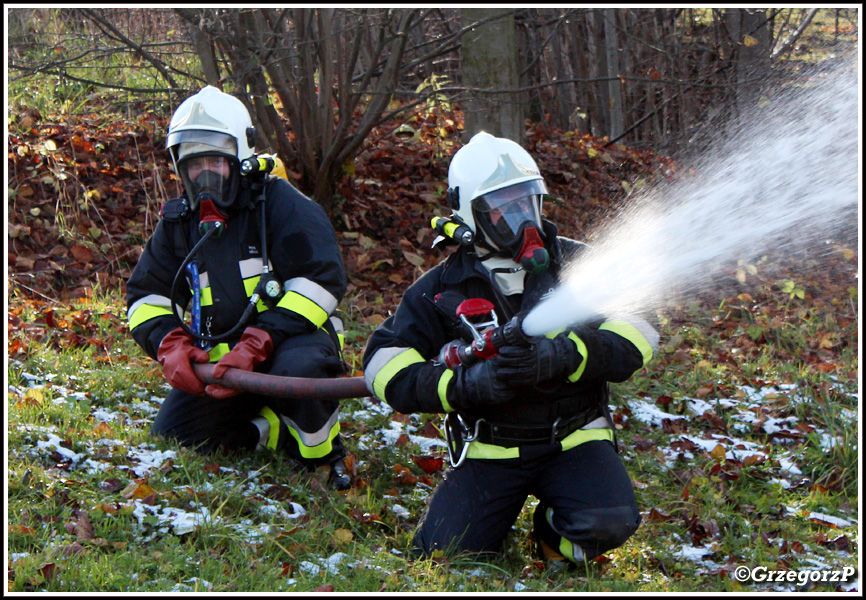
column 273, row 427
column 566, row 548
column 581, row 436
column 319, row 450
column 408, row 357
column 442, row 388
column 218, row 351
column 581, row 349
column 479, row 450
column 146, row 312
column 305, row 307
column 632, row 334
column 249, row 287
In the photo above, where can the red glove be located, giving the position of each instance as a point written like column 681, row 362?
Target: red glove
column 176, row 354
column 254, row 347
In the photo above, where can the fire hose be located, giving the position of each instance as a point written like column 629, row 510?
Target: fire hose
column 305, row 388
column 485, row 345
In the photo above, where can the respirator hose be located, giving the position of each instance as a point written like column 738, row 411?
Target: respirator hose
column 178, row 277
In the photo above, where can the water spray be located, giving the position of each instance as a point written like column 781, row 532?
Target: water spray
column 785, row 179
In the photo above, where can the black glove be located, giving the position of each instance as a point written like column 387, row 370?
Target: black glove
column 545, row 360
column 477, row 386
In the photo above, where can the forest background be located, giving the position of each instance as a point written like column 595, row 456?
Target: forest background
column 742, row 436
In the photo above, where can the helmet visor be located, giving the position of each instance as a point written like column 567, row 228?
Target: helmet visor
column 189, row 141
column 503, row 214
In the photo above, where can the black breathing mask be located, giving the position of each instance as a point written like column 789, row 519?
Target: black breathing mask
column 209, row 184
column 511, row 221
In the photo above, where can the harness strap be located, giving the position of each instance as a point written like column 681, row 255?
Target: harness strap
column 508, row 436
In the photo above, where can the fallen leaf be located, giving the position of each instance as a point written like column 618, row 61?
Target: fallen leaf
column 47, row 570
column 429, row 464
column 111, row 485
column 82, row 253
column 342, row 536
column 413, row 258
column 718, row 452
column 137, row 490
column 83, row 527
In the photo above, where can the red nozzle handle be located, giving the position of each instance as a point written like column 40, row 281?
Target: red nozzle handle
column 475, row 307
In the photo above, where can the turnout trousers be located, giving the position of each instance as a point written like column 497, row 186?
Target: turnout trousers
column 308, row 430
column 586, row 502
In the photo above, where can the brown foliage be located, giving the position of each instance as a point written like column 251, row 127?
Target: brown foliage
column 86, row 197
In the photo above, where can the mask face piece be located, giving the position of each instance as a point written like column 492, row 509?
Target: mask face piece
column 209, row 177
column 511, row 220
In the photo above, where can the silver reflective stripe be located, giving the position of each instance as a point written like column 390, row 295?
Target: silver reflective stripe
column 251, row 267
column 599, row 423
column 313, row 291
column 337, row 322
column 380, row 358
column 312, row 439
column 645, row 329
column 264, row 428
column 152, row 300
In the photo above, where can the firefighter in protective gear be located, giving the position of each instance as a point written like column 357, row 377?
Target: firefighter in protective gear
column 266, row 228
column 534, row 420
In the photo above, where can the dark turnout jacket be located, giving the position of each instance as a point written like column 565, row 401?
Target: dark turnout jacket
column 400, row 357
column 302, row 251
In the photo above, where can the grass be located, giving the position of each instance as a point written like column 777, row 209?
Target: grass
column 740, row 454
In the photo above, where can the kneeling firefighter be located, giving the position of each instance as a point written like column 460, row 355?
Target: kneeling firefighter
column 525, row 415
column 256, row 265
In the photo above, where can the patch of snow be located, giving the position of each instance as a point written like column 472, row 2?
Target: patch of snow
column 649, row 413
column 381, row 408
column 53, row 444
column 149, row 459
column 332, row 562
column 195, row 584
column 851, row 586
column 97, row 466
column 392, row 435
column 695, row 554
column 100, row 414
column 180, row 521
column 734, row 449
column 699, row 406
column 787, row 464
column 830, row 441
column 835, row 521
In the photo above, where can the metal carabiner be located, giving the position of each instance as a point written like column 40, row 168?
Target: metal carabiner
column 464, row 438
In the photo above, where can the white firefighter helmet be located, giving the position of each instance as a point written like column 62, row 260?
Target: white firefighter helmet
column 492, row 175
column 211, row 123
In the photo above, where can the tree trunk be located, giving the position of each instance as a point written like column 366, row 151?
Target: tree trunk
column 751, row 37
column 614, row 85
column 488, row 61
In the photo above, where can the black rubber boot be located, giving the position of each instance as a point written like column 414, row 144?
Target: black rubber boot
column 339, row 479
